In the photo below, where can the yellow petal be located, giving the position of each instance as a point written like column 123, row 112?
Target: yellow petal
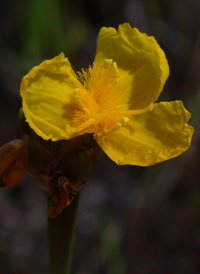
column 48, row 98
column 139, row 59
column 151, row 137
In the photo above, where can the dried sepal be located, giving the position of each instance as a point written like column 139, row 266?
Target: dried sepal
column 61, row 194
column 13, row 162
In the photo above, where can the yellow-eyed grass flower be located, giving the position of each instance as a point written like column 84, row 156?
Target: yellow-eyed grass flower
column 114, row 100
column 111, row 106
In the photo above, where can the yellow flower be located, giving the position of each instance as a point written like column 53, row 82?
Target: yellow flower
column 113, row 100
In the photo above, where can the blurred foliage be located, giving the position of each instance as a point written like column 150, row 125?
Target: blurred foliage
column 131, row 219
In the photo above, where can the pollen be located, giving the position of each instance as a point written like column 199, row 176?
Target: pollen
column 99, row 100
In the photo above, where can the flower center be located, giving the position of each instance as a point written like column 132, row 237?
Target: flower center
column 100, row 102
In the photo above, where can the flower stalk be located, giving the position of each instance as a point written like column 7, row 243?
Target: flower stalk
column 61, row 237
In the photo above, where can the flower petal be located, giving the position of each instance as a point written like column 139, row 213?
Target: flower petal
column 151, row 137
column 48, row 98
column 139, row 59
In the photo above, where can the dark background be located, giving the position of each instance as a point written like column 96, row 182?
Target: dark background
column 131, row 219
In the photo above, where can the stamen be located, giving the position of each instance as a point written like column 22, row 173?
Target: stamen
column 141, row 111
column 124, row 120
column 100, row 100
column 79, row 103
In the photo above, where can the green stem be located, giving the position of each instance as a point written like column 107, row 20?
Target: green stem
column 61, row 235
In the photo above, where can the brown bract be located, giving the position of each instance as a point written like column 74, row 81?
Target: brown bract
column 61, row 167
column 13, row 162
column 61, row 194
